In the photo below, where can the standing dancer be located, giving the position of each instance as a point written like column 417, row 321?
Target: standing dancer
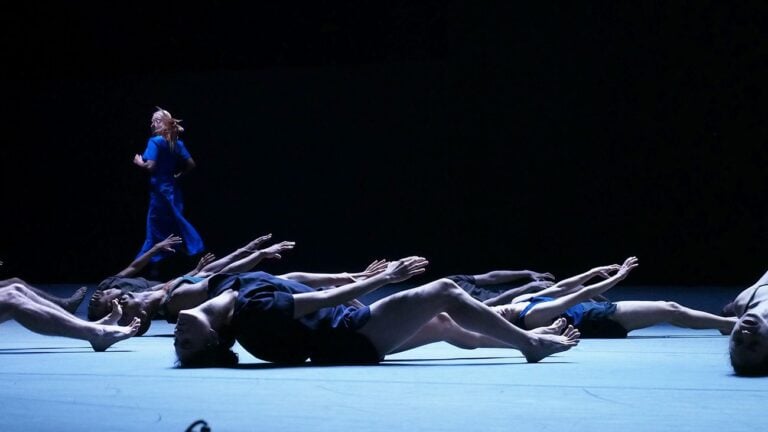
column 167, row 159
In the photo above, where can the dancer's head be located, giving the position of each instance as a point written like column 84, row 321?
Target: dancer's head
column 749, row 343
column 197, row 344
column 138, row 305
column 100, row 303
column 165, row 125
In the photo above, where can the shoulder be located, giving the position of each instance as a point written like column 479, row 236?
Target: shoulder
column 156, row 140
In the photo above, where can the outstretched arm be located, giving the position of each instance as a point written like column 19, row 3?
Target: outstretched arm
column 316, row 280
column 544, row 312
column 139, row 263
column 503, row 276
column 512, row 294
column 570, row 285
column 204, row 261
column 238, row 254
column 250, row 261
column 396, row 271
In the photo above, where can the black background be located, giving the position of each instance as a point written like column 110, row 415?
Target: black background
column 482, row 135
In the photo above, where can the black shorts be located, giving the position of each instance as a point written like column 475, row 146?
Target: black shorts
column 468, row 284
column 345, row 347
column 596, row 322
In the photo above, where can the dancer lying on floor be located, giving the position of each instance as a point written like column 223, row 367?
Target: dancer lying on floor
column 283, row 321
column 187, row 292
column 25, row 306
column 748, row 344
column 150, row 304
column 571, row 300
column 126, row 281
column 490, row 288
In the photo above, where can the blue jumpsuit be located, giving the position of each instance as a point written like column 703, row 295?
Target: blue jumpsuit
column 165, row 214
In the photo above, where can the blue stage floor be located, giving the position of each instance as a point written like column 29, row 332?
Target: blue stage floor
column 661, row 378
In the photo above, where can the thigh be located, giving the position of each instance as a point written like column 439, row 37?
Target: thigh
column 633, row 315
column 397, row 318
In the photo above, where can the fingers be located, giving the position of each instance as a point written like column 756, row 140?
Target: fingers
column 263, row 238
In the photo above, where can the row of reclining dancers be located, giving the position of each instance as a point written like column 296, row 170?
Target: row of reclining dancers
column 318, row 317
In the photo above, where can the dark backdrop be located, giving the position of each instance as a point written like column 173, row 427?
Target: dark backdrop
column 482, row 135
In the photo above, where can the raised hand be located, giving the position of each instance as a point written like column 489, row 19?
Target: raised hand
column 405, row 268
column 373, row 269
column 276, row 249
column 204, row 261
column 629, row 265
column 254, row 245
column 168, row 244
column 605, row 271
column 542, row 276
column 138, row 160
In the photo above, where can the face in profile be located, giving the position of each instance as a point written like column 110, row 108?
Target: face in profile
column 749, row 344
column 133, row 307
column 100, row 303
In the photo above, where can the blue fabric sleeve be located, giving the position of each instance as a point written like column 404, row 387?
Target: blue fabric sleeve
column 183, row 153
column 151, row 152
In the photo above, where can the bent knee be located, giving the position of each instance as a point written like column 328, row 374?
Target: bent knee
column 449, row 289
column 18, row 289
column 11, row 297
column 11, row 281
column 673, row 306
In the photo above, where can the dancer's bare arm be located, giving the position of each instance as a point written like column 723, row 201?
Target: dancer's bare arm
column 139, row 263
column 331, row 280
column 250, row 261
column 503, row 276
column 240, row 253
column 545, row 312
column 396, row 271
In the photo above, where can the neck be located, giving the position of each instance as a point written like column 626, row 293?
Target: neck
column 219, row 310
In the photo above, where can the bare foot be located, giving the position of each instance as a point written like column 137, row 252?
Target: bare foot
column 71, row 304
column 546, row 345
column 110, row 334
column 555, row 328
column 113, row 316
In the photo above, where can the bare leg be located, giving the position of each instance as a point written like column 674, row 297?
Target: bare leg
column 444, row 329
column 633, row 315
column 396, row 318
column 69, row 304
column 54, row 321
column 763, row 280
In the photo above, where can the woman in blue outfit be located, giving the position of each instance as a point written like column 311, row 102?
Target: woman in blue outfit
column 287, row 322
column 167, row 159
column 572, row 301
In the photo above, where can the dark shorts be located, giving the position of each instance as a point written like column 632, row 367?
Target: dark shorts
column 342, row 344
column 597, row 324
column 468, row 284
column 345, row 347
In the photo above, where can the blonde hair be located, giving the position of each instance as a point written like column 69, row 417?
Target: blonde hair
column 165, row 125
